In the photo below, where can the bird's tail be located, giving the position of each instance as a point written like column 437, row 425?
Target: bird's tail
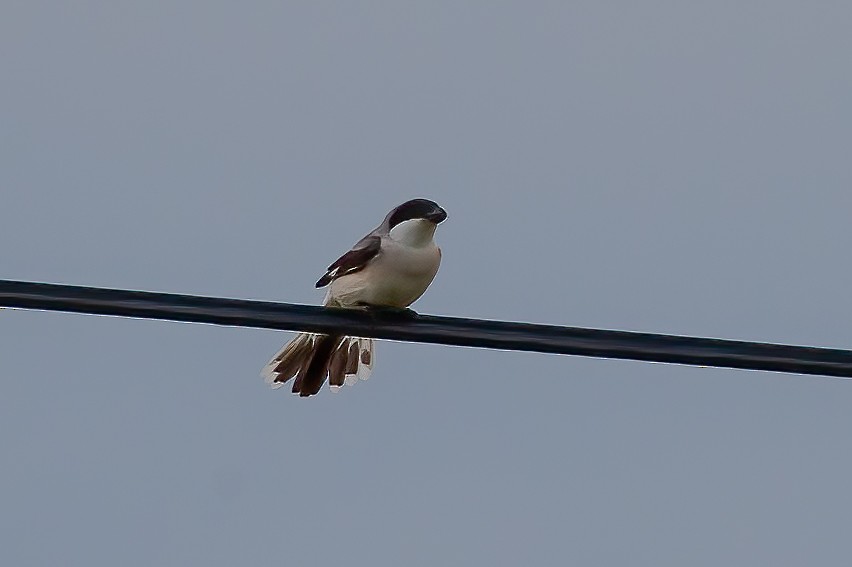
column 311, row 358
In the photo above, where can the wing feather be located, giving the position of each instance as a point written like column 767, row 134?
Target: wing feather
column 352, row 261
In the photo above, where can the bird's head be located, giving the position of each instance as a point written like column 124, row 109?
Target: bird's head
column 415, row 221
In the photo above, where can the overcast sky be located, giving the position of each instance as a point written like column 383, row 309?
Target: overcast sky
column 659, row 166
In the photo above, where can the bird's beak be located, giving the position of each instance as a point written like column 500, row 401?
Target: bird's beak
column 437, row 216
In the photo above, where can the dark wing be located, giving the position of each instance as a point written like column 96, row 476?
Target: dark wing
column 352, row 261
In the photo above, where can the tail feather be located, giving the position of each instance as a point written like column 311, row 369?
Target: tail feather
column 352, row 358
column 289, row 360
column 300, row 377
column 317, row 369
column 365, row 361
column 337, row 366
column 311, row 358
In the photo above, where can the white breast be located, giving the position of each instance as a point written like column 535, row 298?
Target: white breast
column 414, row 232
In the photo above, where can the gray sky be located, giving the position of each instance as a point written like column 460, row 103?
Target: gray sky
column 660, row 166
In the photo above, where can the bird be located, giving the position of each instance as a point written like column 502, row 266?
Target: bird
column 390, row 267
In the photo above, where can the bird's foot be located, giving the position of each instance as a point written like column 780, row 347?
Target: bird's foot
column 384, row 311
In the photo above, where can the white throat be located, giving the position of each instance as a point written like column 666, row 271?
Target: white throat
column 414, row 232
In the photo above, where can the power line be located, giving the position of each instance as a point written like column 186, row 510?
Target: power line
column 428, row 329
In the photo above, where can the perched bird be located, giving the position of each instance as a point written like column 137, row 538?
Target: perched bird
column 390, row 267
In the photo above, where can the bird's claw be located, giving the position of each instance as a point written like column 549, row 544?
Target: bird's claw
column 382, row 311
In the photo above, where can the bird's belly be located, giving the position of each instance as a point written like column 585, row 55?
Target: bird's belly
column 395, row 279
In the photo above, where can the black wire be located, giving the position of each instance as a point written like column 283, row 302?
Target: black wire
column 428, row 329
